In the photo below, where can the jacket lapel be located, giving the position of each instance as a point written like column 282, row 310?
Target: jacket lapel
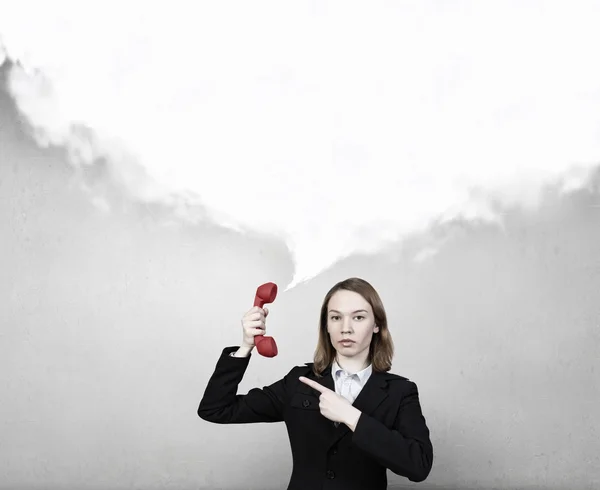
column 370, row 397
column 326, row 380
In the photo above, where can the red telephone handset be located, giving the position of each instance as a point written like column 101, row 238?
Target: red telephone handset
column 266, row 293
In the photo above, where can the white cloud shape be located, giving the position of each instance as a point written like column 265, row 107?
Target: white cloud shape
column 337, row 126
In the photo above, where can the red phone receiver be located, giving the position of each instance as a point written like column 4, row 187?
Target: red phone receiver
column 266, row 293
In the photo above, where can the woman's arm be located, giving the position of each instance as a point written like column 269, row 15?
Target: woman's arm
column 222, row 405
column 406, row 450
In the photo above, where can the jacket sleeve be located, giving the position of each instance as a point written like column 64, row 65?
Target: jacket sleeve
column 406, row 450
column 222, row 405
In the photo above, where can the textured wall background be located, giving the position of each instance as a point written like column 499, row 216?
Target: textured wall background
column 111, row 323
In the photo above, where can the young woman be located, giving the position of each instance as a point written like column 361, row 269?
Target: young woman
column 348, row 418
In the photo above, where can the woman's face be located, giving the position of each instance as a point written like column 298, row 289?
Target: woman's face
column 350, row 316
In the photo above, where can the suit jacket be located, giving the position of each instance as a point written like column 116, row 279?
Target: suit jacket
column 390, row 434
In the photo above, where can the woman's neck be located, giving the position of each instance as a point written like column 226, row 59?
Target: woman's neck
column 351, row 365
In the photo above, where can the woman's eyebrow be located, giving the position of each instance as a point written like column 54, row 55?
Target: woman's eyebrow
column 357, row 311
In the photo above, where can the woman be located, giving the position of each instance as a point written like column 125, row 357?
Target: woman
column 348, row 418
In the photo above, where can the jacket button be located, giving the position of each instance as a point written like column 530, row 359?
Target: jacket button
column 305, row 403
column 330, row 474
column 334, row 450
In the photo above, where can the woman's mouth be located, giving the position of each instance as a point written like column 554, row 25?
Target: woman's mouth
column 346, row 343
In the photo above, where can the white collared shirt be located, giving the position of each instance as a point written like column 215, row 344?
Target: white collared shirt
column 349, row 385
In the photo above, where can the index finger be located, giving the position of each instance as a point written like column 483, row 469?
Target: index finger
column 313, row 384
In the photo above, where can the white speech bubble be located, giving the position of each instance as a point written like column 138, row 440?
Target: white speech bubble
column 337, row 127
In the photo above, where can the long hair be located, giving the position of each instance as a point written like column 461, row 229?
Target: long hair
column 381, row 350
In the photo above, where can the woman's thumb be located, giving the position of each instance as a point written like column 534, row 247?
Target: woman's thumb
column 266, row 311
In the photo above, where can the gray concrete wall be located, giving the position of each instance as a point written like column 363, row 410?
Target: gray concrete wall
column 110, row 326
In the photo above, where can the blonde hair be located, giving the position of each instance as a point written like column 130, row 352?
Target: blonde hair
column 381, row 349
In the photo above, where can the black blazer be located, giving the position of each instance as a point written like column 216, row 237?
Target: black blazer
column 390, row 434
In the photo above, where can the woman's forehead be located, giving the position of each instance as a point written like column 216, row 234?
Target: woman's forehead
column 348, row 302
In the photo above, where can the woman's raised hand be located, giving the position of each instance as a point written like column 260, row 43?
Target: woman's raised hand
column 253, row 324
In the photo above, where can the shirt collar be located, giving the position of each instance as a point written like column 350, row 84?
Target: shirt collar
column 362, row 375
